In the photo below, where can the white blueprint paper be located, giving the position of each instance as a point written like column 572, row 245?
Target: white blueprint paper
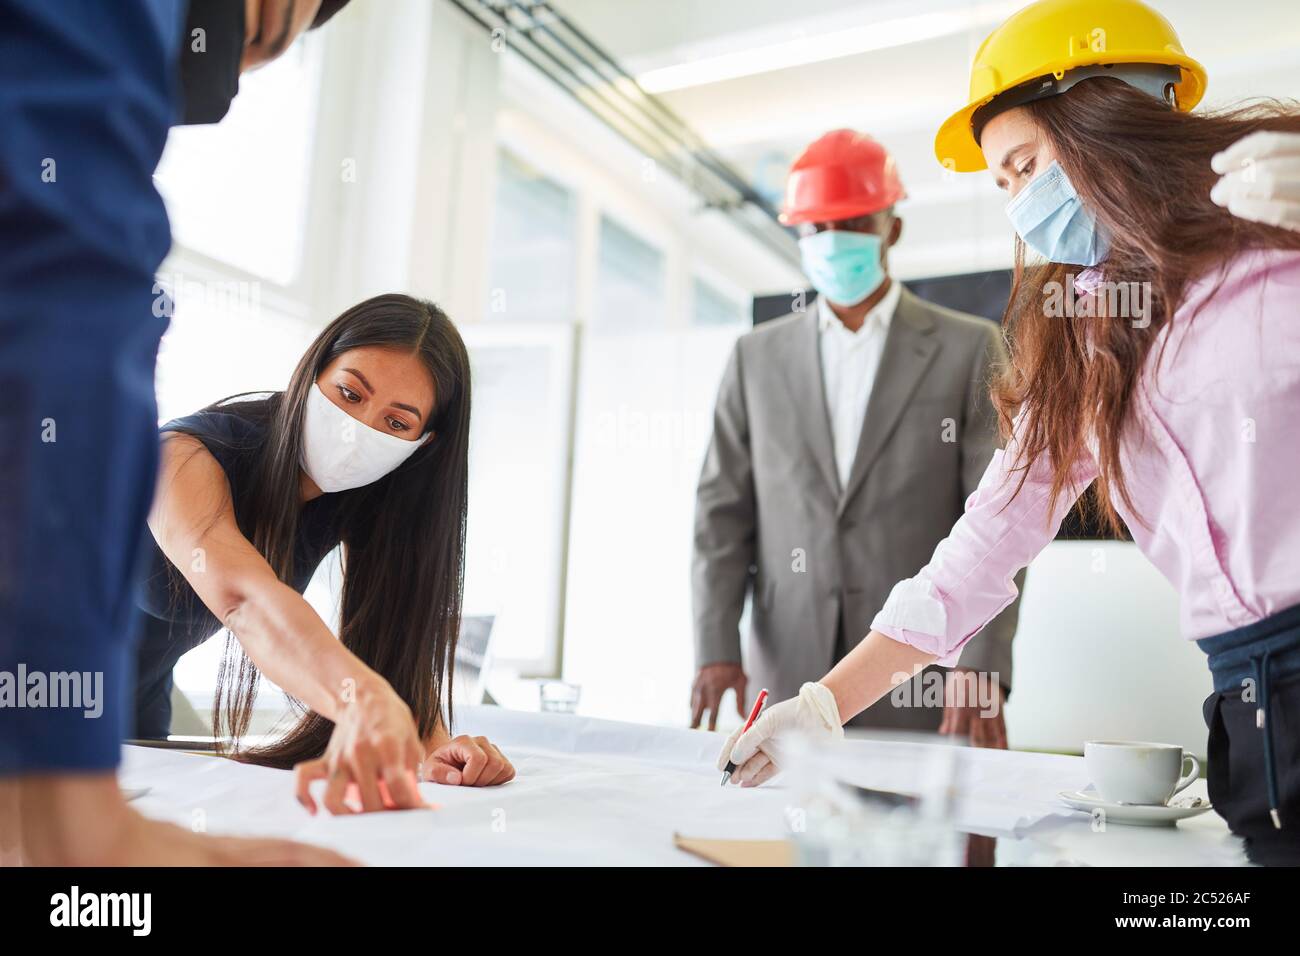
column 586, row 792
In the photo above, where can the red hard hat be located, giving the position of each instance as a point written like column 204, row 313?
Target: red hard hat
column 842, row 175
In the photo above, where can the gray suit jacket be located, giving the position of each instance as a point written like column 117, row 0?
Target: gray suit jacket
column 769, row 491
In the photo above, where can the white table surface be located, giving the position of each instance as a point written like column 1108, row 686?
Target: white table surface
column 595, row 792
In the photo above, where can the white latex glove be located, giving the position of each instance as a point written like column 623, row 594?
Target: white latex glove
column 1260, row 178
column 813, row 712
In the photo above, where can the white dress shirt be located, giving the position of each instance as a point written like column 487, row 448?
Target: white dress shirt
column 849, row 364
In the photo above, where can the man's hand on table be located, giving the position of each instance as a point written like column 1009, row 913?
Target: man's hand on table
column 467, row 761
column 711, row 683
column 965, row 715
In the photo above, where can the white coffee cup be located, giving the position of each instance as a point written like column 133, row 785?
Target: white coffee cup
column 1131, row 771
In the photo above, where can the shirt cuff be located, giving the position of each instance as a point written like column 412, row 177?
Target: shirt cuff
column 915, row 614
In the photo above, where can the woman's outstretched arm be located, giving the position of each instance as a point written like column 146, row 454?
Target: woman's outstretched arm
column 375, row 739
column 930, row 617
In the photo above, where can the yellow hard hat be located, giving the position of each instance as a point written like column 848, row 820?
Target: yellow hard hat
column 1049, row 39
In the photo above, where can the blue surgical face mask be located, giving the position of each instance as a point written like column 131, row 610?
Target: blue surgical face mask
column 1050, row 218
column 843, row 266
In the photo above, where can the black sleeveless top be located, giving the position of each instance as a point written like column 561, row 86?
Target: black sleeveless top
column 175, row 620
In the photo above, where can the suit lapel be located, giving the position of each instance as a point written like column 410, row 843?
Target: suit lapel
column 909, row 349
column 803, row 378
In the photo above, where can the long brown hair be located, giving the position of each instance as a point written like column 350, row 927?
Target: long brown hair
column 403, row 536
column 1143, row 170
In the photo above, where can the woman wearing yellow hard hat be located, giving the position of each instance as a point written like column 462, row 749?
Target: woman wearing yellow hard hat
column 1155, row 349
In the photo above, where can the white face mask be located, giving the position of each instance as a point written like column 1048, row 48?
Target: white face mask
column 339, row 452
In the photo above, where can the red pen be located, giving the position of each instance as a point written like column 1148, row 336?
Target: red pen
column 753, row 716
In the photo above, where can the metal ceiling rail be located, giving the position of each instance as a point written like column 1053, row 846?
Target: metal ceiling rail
column 570, row 58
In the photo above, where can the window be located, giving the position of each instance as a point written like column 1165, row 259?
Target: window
column 711, row 307
column 518, row 484
column 223, row 344
column 237, row 191
column 644, row 419
column 629, row 279
column 534, row 248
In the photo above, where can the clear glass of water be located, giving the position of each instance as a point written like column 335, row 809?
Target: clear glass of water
column 559, row 697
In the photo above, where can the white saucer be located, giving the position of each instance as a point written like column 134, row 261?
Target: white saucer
column 1135, row 814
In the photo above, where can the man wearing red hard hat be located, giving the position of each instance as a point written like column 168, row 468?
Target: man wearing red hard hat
column 847, row 436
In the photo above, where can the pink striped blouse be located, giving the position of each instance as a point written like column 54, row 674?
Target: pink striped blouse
column 1213, row 471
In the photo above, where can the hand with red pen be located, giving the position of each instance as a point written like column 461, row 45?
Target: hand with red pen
column 730, row 768
column 750, row 749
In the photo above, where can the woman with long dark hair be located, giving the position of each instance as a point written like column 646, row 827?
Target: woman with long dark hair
column 1155, row 348
column 366, row 448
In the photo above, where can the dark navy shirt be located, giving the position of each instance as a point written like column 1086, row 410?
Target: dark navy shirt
column 87, row 93
column 175, row 620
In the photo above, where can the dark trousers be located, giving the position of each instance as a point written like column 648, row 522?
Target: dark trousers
column 1253, row 719
column 159, row 645
column 1235, row 773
